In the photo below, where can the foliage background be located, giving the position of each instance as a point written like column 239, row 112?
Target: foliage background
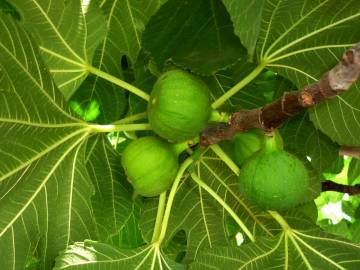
column 64, row 199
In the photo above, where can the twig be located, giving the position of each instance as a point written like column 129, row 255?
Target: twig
column 350, row 151
column 271, row 116
column 332, row 186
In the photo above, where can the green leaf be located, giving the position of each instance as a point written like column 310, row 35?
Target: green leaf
column 246, row 16
column 93, row 255
column 259, row 92
column 340, row 229
column 110, row 100
column 336, row 166
column 130, row 235
column 202, row 219
column 44, row 186
column 354, row 171
column 148, row 217
column 7, row 8
column 204, row 30
column 305, row 43
column 176, row 247
column 301, row 137
column 355, row 231
column 300, row 246
column 248, row 98
column 67, row 36
column 125, row 21
column 112, row 203
column 144, row 79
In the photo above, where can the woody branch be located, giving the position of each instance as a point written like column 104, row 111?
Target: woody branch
column 271, row 116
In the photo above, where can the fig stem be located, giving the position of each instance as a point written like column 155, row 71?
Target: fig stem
column 216, row 116
column 119, row 82
column 170, row 200
column 120, row 127
column 236, row 88
column 224, row 205
column 180, row 147
column 350, row 151
column 225, row 158
column 131, row 118
column 279, row 219
column 270, row 143
column 159, row 217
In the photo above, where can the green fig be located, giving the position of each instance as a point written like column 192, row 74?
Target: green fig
column 150, row 164
column 179, row 106
column 273, row 178
column 246, row 144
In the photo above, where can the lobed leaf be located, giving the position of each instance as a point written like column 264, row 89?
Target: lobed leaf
column 92, row 255
column 44, row 186
column 300, row 246
column 112, row 203
column 246, row 17
column 204, row 30
column 301, row 137
column 67, row 36
column 305, row 43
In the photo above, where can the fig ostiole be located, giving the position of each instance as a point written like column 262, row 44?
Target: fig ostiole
column 179, row 106
column 273, row 179
column 151, row 165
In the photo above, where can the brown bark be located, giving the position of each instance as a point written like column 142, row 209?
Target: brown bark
column 332, row 186
column 271, row 116
column 350, row 151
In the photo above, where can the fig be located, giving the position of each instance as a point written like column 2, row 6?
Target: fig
column 179, row 106
column 273, row 179
column 150, row 164
column 246, row 144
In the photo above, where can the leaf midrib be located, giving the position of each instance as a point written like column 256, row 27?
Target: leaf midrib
column 57, row 32
column 44, row 152
column 36, row 192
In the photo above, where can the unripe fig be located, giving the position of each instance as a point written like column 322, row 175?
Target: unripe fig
column 150, row 164
column 273, row 178
column 246, row 144
column 179, row 106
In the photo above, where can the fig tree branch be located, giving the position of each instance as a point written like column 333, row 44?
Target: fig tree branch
column 350, row 151
column 332, row 186
column 272, row 115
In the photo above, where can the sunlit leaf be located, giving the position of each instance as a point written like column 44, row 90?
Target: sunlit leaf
column 354, row 171
column 300, row 246
column 92, row 255
column 202, row 219
column 67, row 36
column 44, row 186
column 125, row 21
column 130, row 234
column 112, row 202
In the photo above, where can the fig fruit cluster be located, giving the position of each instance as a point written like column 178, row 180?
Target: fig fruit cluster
column 179, row 107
